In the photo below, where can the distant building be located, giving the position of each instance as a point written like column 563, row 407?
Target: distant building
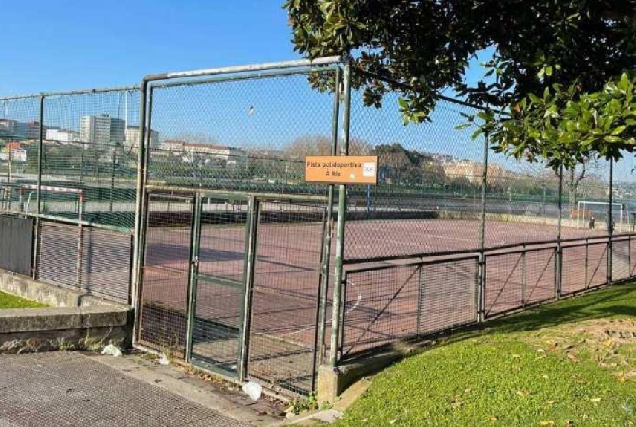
column 174, row 145
column 102, row 130
column 20, row 130
column 62, row 135
column 132, row 137
column 33, row 130
column 13, row 151
column 230, row 156
column 473, row 171
column 7, row 127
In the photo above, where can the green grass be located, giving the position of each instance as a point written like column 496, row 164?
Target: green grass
column 572, row 363
column 9, row 301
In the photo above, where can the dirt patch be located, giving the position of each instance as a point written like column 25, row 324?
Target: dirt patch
column 618, row 330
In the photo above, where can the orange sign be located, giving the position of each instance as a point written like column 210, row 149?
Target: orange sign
column 342, row 169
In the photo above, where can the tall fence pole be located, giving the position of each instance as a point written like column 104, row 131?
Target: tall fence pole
column 481, row 283
column 559, row 251
column 342, row 207
column 36, row 233
column 40, row 158
column 135, row 288
column 610, row 222
column 324, row 285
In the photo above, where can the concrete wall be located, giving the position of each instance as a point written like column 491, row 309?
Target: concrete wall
column 74, row 320
column 75, row 328
column 45, row 293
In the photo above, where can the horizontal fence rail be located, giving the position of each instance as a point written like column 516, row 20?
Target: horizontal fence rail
column 386, row 302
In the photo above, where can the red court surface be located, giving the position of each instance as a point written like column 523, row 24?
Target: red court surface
column 380, row 306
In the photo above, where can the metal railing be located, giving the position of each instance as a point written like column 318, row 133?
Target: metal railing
column 393, row 300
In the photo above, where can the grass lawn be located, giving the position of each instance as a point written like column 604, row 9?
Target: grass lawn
column 572, row 363
column 9, row 301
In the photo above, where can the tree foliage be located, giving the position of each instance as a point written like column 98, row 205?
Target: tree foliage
column 554, row 56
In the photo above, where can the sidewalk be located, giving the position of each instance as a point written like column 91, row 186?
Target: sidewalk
column 69, row 388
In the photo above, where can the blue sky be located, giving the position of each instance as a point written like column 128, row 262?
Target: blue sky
column 70, row 44
column 82, row 44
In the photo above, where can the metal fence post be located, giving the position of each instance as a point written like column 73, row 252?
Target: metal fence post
column 36, row 237
column 481, row 283
column 136, row 277
column 195, row 240
column 342, row 207
column 80, row 239
column 610, row 223
column 248, row 287
column 324, row 286
column 629, row 256
column 524, row 279
column 559, row 252
column 587, row 254
column 40, row 157
column 420, row 285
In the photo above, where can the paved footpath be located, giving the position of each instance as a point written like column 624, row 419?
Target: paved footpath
column 60, row 389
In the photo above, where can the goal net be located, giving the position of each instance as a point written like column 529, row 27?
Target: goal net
column 596, row 214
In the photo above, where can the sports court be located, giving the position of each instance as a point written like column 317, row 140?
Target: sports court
column 238, row 265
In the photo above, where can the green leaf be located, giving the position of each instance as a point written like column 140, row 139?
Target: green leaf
column 619, row 130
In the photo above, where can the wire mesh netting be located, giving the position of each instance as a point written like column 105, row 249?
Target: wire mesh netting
column 218, row 315
column 448, row 294
column 240, row 135
column 90, row 144
column 285, row 295
column 597, row 264
column 620, row 259
column 106, row 263
column 164, row 290
column 574, row 268
column 386, row 304
column 380, row 306
column 503, row 290
column 58, row 253
column 430, row 180
column 516, row 279
column 539, row 267
column 428, row 183
column 248, row 134
column 19, row 131
column 88, row 259
column 73, row 157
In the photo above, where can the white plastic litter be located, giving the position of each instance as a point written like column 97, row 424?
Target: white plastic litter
column 253, row 390
column 163, row 359
column 112, row 350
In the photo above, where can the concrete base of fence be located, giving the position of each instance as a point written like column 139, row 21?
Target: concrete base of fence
column 333, row 381
column 76, row 328
column 45, row 293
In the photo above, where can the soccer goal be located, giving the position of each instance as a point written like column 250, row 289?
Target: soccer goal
column 595, row 214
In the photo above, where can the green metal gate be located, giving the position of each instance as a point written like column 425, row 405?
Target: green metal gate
column 233, row 282
column 223, row 249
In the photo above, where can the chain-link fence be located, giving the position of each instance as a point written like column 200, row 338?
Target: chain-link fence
column 241, row 266
column 535, row 233
column 69, row 160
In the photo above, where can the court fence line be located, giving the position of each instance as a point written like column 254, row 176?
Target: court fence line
column 95, row 198
column 404, row 300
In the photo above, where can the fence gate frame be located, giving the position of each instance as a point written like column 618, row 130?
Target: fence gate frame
column 244, row 285
column 253, row 201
